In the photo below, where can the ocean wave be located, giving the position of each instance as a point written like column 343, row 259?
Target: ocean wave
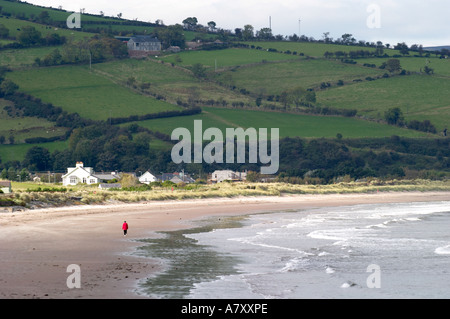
column 445, row 250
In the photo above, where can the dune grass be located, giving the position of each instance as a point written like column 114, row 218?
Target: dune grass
column 83, row 195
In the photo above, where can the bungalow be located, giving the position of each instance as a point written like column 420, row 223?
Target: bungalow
column 84, row 175
column 219, row 176
column 5, row 187
column 147, row 178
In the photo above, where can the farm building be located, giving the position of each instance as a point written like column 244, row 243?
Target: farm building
column 219, row 176
column 142, row 45
column 85, row 175
column 5, row 187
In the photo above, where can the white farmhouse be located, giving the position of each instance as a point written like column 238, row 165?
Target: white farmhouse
column 84, row 175
column 147, row 178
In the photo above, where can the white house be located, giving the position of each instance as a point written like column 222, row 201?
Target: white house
column 147, row 178
column 5, row 187
column 219, row 176
column 84, row 175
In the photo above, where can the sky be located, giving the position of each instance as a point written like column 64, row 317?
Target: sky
column 389, row 21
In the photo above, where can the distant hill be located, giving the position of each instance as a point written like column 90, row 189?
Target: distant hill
column 438, row 48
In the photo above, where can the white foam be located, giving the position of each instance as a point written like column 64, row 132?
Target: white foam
column 330, row 270
column 445, row 250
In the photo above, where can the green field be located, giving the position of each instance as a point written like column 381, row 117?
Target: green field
column 76, row 89
column 307, row 126
column 308, row 48
column 172, row 82
column 17, row 152
column 275, row 78
column 441, row 67
column 27, row 10
column 18, row 58
column 15, row 25
column 225, row 58
column 418, row 96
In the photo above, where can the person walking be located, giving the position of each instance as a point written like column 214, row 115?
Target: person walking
column 125, row 228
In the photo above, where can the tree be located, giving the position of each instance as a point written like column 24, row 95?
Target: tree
column 348, row 39
column 171, row 36
column 264, row 34
column 190, row 23
column 44, row 17
column 247, row 33
column 402, row 47
column 394, row 116
column 29, row 36
column 238, row 33
column 428, row 70
column 326, row 37
column 393, row 65
column 8, row 87
column 4, row 32
column 212, row 26
column 199, row 70
column 37, row 158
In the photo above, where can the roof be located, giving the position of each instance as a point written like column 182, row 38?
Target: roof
column 105, row 176
column 144, row 38
column 110, row 185
column 75, row 169
column 5, row 183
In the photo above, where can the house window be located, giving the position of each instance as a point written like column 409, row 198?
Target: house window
column 73, row 179
column 92, row 181
column 84, row 180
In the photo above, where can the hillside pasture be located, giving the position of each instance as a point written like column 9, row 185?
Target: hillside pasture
column 15, row 26
column 420, row 97
column 166, row 80
column 19, row 58
column 292, row 125
column 312, row 49
column 224, row 58
column 77, row 90
column 274, row 78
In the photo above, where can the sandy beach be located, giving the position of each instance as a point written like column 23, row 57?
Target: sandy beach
column 37, row 246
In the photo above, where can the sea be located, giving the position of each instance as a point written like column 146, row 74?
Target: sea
column 371, row 251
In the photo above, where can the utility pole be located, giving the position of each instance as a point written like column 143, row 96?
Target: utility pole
column 299, row 28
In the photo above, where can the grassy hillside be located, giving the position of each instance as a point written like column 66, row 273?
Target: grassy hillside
column 291, row 125
column 418, row 96
column 235, row 87
column 15, row 26
column 274, row 78
column 77, row 90
column 171, row 82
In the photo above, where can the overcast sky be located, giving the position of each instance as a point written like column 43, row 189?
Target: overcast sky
column 390, row 21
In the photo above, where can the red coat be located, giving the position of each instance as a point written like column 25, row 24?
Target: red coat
column 125, row 226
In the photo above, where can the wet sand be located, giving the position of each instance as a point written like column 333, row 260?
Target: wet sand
column 37, row 246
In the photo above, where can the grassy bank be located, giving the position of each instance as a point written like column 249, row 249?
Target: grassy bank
column 22, row 195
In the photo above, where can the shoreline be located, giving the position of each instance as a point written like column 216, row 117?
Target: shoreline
column 38, row 245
